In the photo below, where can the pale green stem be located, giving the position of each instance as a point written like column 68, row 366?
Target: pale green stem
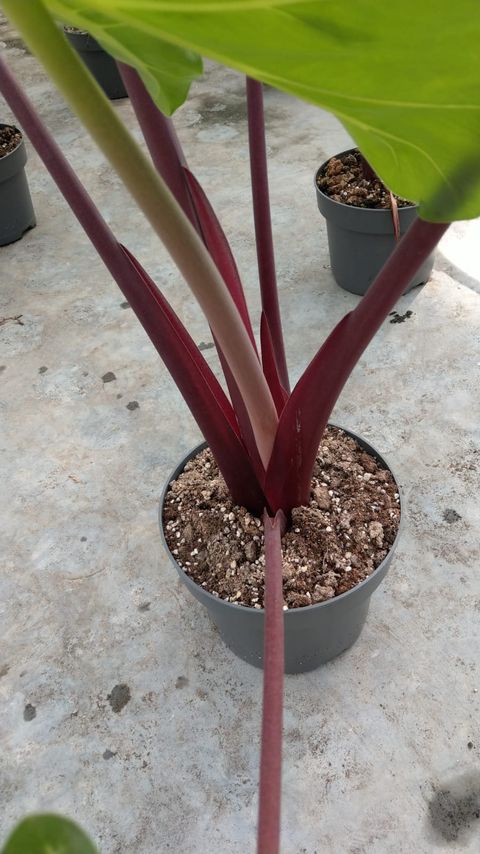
column 158, row 205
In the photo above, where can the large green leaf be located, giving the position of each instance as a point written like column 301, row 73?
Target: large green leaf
column 404, row 78
column 48, row 834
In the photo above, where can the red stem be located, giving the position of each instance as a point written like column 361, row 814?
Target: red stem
column 309, row 407
column 263, row 224
column 268, row 837
column 388, row 286
column 269, row 364
column 242, row 419
column 161, row 138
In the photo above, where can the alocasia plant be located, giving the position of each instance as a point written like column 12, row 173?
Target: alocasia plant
column 403, row 79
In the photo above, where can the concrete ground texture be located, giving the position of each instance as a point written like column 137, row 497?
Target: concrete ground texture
column 119, row 705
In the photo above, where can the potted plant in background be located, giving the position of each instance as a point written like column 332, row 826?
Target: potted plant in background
column 98, row 61
column 265, row 439
column 362, row 225
column 16, row 208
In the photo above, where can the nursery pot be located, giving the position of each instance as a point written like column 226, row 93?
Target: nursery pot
column 360, row 240
column 100, row 64
column 313, row 634
column 16, row 209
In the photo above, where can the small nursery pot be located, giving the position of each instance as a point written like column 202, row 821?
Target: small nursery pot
column 360, row 240
column 313, row 634
column 16, row 209
column 100, row 64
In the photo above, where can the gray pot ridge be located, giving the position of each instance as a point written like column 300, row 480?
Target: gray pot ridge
column 16, row 209
column 313, row 634
column 360, row 240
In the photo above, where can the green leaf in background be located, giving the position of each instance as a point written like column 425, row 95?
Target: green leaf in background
column 48, row 834
column 404, row 78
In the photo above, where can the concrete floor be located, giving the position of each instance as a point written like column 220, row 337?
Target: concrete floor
column 382, row 746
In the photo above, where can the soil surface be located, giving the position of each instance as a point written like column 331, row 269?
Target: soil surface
column 10, row 139
column 344, row 179
column 333, row 543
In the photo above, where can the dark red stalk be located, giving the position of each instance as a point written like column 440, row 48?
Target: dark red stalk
column 270, row 368
column 243, row 421
column 268, row 836
column 156, row 300
column 161, row 139
column 309, row 407
column 263, row 224
column 199, row 386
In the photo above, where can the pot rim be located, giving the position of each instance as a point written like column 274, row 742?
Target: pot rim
column 5, row 157
column 291, row 613
column 83, row 42
column 76, row 31
column 354, row 207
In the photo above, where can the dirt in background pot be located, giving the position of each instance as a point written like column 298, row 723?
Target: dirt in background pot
column 10, row 139
column 343, row 179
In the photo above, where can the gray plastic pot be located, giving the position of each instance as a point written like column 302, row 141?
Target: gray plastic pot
column 360, row 240
column 314, row 634
column 100, row 64
column 16, row 209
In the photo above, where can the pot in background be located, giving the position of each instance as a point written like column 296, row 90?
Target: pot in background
column 313, row 634
column 360, row 240
column 16, row 209
column 100, row 64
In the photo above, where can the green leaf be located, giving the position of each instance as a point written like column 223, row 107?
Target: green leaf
column 404, row 78
column 48, row 834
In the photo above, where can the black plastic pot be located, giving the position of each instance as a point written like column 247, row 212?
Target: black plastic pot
column 16, row 209
column 99, row 63
column 360, row 240
column 314, row 634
